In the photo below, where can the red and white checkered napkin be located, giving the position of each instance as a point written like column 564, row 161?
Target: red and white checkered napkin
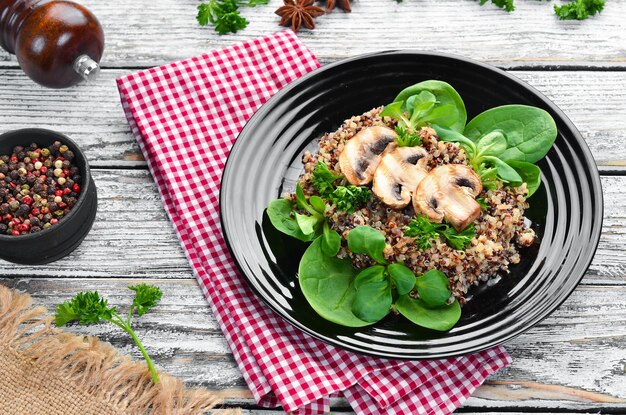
column 186, row 116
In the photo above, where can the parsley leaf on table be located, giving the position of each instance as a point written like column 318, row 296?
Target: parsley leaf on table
column 503, row 4
column 146, row 297
column 90, row 308
column 574, row 10
column 579, row 9
column 225, row 15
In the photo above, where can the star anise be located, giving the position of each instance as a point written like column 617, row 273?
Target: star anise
column 295, row 13
column 342, row 4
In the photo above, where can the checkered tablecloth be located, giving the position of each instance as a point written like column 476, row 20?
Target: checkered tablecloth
column 186, row 116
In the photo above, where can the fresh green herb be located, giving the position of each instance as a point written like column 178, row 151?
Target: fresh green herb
column 402, row 277
column 441, row 318
column 503, row 4
column 579, row 9
column 323, row 179
column 529, row 132
column 282, row 215
column 503, row 142
column 482, row 201
column 460, row 240
column 224, row 14
column 91, row 308
column 327, row 283
column 433, row 288
column 304, row 226
column 331, row 241
column 425, row 231
column 346, row 198
column 373, row 294
column 367, row 240
column 343, row 295
column 425, row 103
column 530, row 174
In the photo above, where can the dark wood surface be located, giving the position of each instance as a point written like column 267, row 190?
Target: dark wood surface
column 572, row 362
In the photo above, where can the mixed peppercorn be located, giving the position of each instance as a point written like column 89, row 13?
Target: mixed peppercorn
column 38, row 187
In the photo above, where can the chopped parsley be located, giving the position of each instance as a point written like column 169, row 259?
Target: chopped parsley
column 425, row 231
column 346, row 198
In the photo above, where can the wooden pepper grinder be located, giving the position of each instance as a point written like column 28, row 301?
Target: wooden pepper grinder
column 58, row 43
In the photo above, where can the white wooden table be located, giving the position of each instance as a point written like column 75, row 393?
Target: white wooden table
column 572, row 362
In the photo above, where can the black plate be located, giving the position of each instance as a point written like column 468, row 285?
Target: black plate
column 266, row 160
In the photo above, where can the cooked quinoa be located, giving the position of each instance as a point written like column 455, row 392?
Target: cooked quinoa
column 500, row 229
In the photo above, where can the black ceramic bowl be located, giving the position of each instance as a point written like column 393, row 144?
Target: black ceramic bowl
column 62, row 238
column 266, row 160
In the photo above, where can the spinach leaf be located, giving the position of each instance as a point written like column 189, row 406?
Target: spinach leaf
column 529, row 131
column 280, row 213
column 452, row 115
column 446, row 134
column 402, row 277
column 327, row 283
column 492, row 144
column 441, row 318
column 331, row 241
column 302, row 202
column 531, row 174
column 318, row 204
column 308, row 224
column 433, row 288
column 373, row 294
column 420, row 105
column 505, row 172
column 367, row 240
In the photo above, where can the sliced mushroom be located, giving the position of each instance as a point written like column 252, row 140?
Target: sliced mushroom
column 449, row 192
column 398, row 174
column 362, row 153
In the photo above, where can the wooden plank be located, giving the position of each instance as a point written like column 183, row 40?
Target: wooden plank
column 145, row 33
column 132, row 235
column 572, row 360
column 92, row 114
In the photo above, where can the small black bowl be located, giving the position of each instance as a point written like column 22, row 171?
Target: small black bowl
column 62, row 238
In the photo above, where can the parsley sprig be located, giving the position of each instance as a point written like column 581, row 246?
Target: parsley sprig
column 346, row 198
column 90, row 308
column 424, row 231
column 579, row 9
column 225, row 15
column 574, row 10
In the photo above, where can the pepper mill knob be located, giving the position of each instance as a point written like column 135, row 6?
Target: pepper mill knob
column 57, row 43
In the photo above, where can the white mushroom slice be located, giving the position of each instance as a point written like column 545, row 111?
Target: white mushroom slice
column 448, row 192
column 362, row 153
column 398, row 174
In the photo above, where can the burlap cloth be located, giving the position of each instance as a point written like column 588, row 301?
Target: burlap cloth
column 47, row 371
